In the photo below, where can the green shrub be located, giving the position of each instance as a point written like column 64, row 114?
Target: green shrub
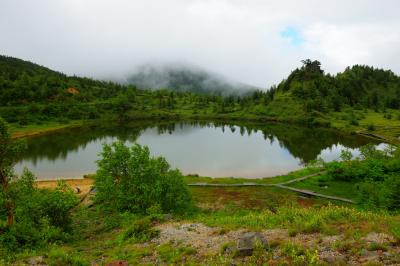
column 395, row 230
column 383, row 194
column 299, row 255
column 377, row 175
column 377, row 246
column 140, row 231
column 128, row 179
column 58, row 257
column 172, row 254
column 354, row 122
column 41, row 216
column 371, row 127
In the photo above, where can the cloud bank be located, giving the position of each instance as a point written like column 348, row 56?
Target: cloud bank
column 253, row 41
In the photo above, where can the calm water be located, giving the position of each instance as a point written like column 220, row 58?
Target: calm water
column 203, row 148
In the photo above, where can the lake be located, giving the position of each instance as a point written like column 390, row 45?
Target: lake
column 207, row 149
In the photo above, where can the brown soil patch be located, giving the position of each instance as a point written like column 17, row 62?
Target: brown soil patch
column 305, row 202
column 73, row 90
column 84, row 184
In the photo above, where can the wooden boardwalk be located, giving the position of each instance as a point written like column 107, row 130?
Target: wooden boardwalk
column 312, row 193
column 281, row 185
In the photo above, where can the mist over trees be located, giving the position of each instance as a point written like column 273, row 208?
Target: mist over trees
column 186, row 78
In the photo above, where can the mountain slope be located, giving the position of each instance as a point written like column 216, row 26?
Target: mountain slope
column 185, row 78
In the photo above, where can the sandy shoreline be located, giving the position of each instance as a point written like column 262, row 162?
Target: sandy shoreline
column 84, row 184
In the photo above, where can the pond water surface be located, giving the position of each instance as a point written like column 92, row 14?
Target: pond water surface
column 207, row 149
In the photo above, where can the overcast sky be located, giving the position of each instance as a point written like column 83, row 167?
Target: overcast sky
column 257, row 42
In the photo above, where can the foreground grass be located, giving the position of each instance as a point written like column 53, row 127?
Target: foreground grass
column 107, row 237
column 328, row 219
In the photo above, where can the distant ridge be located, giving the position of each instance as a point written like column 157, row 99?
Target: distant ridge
column 180, row 77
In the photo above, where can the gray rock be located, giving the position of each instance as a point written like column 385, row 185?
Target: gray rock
column 98, row 262
column 247, row 243
column 36, row 261
column 335, row 259
column 230, row 250
column 168, row 217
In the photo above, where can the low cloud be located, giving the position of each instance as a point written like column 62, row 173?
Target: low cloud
column 239, row 39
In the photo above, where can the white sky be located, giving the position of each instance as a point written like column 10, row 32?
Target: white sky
column 253, row 41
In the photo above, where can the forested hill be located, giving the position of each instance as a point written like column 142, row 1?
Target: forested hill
column 357, row 86
column 23, row 82
column 360, row 97
column 179, row 77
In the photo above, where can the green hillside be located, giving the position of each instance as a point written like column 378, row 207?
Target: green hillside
column 360, row 99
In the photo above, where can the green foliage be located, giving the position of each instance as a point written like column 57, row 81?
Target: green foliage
column 358, row 87
column 140, row 231
column 29, row 216
column 395, row 230
column 171, row 254
column 371, row 127
column 129, row 179
column 377, row 246
column 296, row 219
column 298, row 255
column 41, row 216
column 59, row 257
column 377, row 173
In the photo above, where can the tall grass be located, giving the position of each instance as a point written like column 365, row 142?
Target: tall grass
column 325, row 219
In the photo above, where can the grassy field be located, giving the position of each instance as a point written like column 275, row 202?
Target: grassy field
column 267, row 180
column 325, row 185
column 379, row 123
column 18, row 131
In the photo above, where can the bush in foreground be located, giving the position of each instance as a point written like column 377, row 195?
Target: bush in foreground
column 129, row 179
column 376, row 174
column 41, row 216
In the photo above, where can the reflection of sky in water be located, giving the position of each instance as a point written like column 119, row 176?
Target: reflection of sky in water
column 206, row 151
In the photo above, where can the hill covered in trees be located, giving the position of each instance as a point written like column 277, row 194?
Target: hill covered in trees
column 358, row 86
column 359, row 98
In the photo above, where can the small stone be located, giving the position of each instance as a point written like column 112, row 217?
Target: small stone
column 168, row 217
column 230, row 250
column 247, row 242
column 98, row 262
column 335, row 259
column 36, row 261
